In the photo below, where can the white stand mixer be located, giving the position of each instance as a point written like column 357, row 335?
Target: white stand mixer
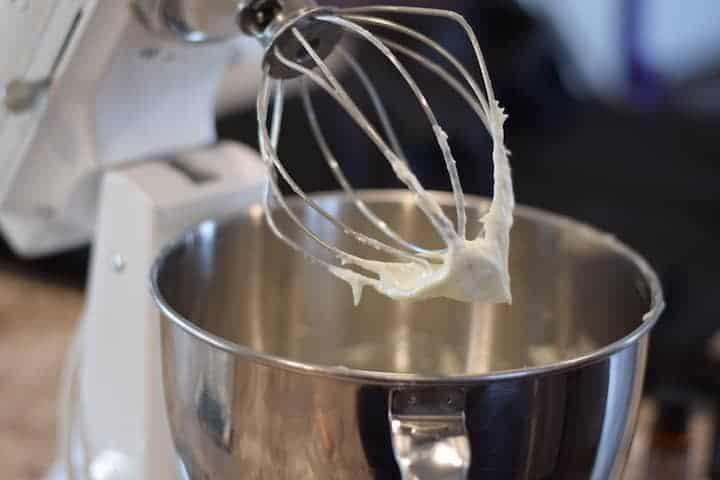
column 95, row 109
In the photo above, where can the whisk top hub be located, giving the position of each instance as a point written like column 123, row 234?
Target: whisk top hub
column 278, row 36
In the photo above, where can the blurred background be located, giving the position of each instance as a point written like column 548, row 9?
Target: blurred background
column 615, row 120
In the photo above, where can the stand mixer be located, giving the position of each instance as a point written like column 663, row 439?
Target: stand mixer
column 107, row 131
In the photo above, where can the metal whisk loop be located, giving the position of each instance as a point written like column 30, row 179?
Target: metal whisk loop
column 268, row 150
column 314, row 70
column 335, row 166
column 496, row 226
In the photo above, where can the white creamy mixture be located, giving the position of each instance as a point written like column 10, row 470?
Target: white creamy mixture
column 473, row 270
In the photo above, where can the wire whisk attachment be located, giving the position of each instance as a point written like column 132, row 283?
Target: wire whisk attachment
column 466, row 269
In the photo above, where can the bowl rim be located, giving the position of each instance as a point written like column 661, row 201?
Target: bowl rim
column 649, row 319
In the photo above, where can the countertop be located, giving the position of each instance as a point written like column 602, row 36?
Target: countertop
column 40, row 303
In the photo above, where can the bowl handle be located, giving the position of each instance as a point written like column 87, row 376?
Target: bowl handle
column 429, row 436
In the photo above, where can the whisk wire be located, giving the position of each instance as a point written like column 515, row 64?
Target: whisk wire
column 466, row 94
column 273, row 192
column 278, row 107
column 341, row 255
column 496, row 220
column 446, row 14
column 339, row 175
column 447, row 231
column 452, row 59
column 435, row 215
column 376, row 100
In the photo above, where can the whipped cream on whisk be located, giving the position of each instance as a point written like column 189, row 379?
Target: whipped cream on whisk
column 468, row 270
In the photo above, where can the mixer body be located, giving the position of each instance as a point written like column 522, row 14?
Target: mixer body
column 270, row 372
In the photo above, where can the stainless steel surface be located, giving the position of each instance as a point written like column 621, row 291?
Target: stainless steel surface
column 192, row 20
column 302, row 16
column 270, row 372
column 429, row 436
column 270, row 21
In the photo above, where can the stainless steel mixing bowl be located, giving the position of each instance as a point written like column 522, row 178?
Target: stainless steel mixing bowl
column 271, row 372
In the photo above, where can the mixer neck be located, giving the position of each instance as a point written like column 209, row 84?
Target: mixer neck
column 202, row 21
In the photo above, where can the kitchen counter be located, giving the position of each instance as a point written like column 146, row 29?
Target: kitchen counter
column 40, row 304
